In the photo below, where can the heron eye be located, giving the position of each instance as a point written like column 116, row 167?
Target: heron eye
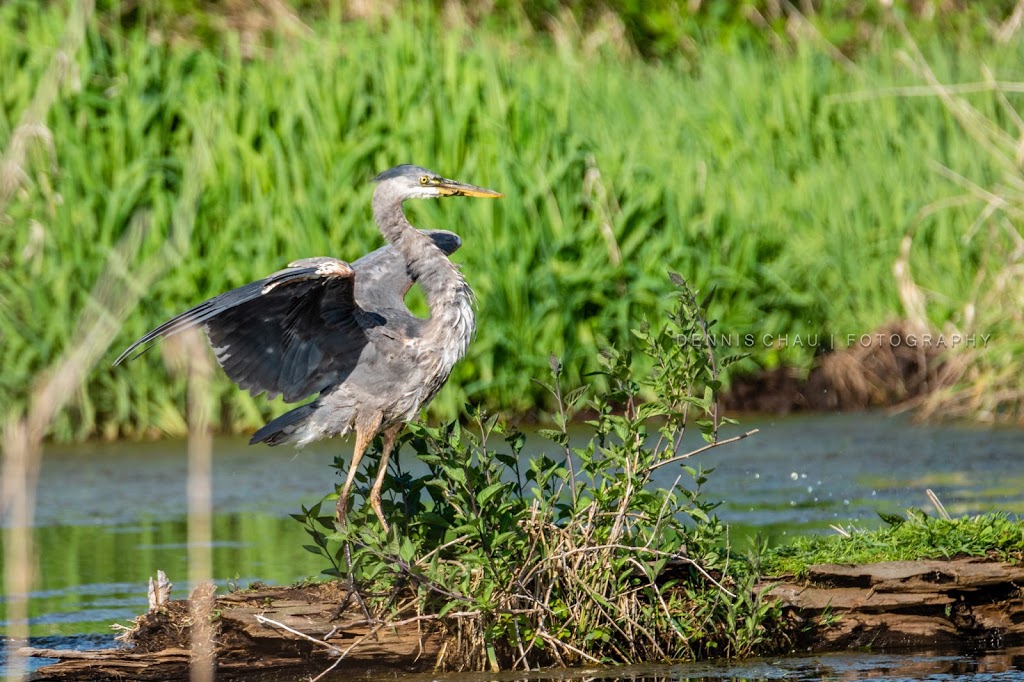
column 424, row 179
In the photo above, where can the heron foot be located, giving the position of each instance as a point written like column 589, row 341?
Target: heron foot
column 351, row 593
column 351, row 590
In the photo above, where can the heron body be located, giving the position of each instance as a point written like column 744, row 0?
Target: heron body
column 343, row 331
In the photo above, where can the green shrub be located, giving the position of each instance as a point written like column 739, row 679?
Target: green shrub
column 533, row 559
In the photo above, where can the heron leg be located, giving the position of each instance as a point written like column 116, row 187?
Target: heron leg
column 363, row 438
column 389, row 442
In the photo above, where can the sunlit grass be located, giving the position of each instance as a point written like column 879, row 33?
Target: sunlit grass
column 915, row 537
column 747, row 174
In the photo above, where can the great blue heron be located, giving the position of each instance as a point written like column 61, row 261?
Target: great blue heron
column 343, row 331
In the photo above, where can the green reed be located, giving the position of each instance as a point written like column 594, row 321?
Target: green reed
column 743, row 169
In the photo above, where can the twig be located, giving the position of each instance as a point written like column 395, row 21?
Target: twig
column 810, row 28
column 263, row 620
column 923, row 91
column 937, row 503
column 655, row 552
column 556, row 642
column 345, row 652
column 707, row 447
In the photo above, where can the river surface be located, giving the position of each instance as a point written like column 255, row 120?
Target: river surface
column 110, row 515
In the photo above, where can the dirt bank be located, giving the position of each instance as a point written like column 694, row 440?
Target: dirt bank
column 894, row 364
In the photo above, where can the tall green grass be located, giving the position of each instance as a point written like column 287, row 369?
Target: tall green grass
column 746, row 173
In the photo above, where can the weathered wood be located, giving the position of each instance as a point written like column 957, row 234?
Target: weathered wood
column 967, row 601
column 885, row 605
column 920, row 576
column 247, row 647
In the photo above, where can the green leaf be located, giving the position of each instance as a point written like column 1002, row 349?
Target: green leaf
column 554, row 436
column 576, row 394
column 652, row 409
column 891, row 519
column 490, row 491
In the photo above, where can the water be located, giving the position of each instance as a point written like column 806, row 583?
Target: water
column 110, row 515
column 1002, row 666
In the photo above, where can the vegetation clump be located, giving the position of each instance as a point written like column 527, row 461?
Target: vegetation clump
column 534, row 559
column 574, row 555
column 918, row 536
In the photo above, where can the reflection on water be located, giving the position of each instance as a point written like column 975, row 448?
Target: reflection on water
column 94, row 575
column 1002, row 666
column 110, row 515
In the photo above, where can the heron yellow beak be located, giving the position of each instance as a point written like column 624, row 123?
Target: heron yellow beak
column 454, row 188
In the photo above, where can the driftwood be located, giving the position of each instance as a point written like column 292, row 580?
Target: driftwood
column 909, row 604
column 289, row 632
column 280, row 632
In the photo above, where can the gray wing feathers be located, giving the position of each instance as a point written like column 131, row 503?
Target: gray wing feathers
column 292, row 333
column 279, row 430
column 297, row 338
column 297, row 331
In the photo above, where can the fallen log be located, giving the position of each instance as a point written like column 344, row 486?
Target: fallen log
column 908, row 604
column 277, row 631
column 294, row 631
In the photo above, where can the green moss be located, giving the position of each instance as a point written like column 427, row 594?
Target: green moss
column 919, row 536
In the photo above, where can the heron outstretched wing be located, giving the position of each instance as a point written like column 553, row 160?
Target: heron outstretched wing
column 293, row 333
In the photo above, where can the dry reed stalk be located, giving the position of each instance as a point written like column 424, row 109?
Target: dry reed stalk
column 33, row 120
column 972, row 384
column 194, row 361
column 23, row 434
column 118, row 289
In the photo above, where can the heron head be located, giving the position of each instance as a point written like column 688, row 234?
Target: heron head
column 414, row 182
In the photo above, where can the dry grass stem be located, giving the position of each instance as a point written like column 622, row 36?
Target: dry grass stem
column 117, row 290
column 32, row 123
column 702, row 449
column 198, row 369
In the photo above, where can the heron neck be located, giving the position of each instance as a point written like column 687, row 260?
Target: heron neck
column 448, row 295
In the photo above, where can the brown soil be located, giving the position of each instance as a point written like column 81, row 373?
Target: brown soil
column 919, row 604
column 887, row 367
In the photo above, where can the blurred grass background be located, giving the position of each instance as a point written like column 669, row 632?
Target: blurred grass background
column 716, row 139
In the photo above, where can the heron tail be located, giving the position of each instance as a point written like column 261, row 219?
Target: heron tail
column 282, row 429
